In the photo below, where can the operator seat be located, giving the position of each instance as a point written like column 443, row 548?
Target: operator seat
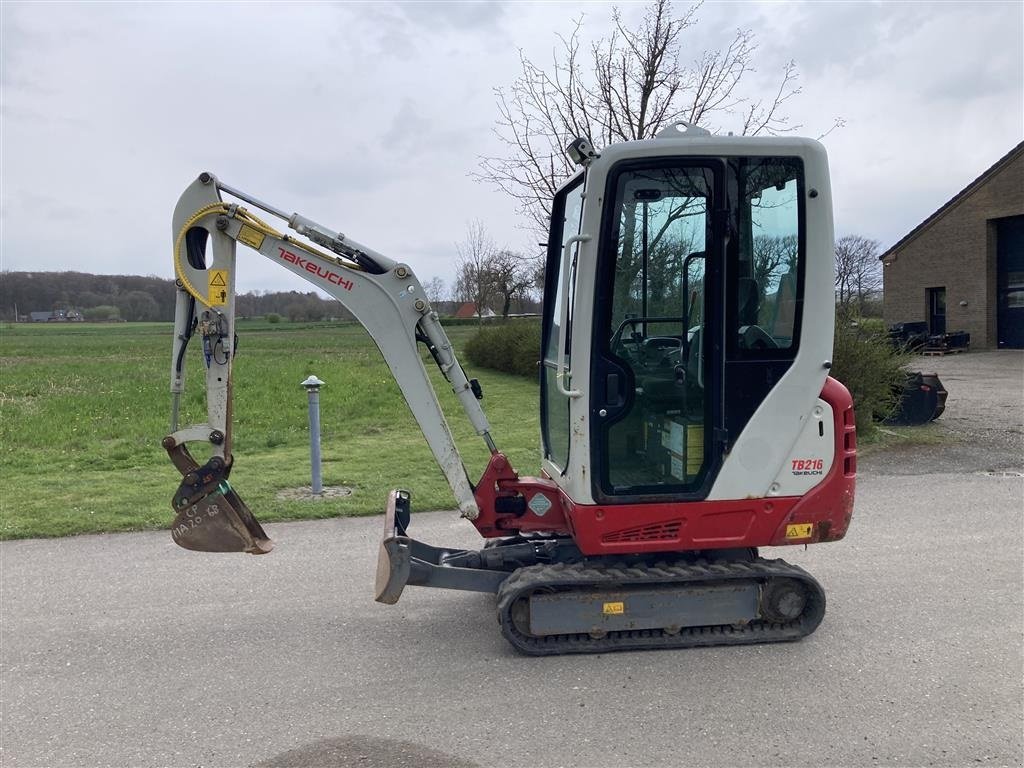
column 750, row 334
column 785, row 307
column 749, row 295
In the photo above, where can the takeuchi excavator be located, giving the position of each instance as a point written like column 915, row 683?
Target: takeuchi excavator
column 687, row 415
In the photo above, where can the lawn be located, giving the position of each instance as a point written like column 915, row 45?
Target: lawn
column 83, row 408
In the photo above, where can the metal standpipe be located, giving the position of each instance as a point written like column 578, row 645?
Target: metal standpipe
column 312, row 386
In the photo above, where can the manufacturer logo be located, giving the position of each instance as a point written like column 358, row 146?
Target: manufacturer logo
column 808, row 466
column 315, row 269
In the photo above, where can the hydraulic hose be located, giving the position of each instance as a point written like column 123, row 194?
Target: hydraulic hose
column 249, row 220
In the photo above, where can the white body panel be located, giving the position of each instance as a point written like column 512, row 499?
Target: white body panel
column 811, row 456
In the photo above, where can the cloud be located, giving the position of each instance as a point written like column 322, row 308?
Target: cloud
column 476, row 18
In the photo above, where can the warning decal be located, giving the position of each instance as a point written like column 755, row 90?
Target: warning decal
column 218, row 287
column 799, row 531
column 613, row 609
column 251, row 237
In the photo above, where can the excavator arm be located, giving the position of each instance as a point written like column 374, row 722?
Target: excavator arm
column 383, row 295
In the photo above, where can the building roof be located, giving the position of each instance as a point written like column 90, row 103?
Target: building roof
column 992, row 170
column 468, row 309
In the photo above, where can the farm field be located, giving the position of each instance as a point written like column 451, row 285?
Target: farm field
column 83, row 408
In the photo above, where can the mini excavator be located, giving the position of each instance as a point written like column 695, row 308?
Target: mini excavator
column 687, row 415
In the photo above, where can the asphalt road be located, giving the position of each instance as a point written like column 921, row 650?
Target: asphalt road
column 126, row 650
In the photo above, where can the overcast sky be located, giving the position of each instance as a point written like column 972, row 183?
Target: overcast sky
column 369, row 118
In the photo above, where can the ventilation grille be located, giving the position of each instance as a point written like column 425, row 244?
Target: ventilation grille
column 667, row 531
column 849, row 443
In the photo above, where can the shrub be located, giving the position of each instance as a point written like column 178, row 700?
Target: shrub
column 873, row 325
column 102, row 313
column 864, row 360
column 451, row 322
column 273, row 317
column 512, row 347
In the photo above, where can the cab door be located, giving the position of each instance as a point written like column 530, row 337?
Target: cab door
column 656, row 355
column 559, row 295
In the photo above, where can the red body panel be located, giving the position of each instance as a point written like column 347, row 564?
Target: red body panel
column 501, row 481
column 672, row 527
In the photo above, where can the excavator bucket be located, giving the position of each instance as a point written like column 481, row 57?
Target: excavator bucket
column 220, row 522
column 210, row 516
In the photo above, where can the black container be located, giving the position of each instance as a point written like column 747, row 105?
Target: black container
column 923, row 399
column 908, row 335
column 932, row 380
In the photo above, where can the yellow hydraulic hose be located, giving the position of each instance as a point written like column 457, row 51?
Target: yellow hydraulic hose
column 249, row 220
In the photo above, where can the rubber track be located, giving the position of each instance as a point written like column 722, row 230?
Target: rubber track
column 563, row 576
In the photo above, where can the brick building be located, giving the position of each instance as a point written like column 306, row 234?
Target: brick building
column 962, row 268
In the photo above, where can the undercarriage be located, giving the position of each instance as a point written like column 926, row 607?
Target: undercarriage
column 553, row 600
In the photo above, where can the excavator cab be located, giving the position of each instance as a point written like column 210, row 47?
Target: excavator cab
column 687, row 416
column 678, row 278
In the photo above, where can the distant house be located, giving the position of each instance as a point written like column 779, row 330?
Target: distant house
column 962, row 268
column 57, row 316
column 467, row 310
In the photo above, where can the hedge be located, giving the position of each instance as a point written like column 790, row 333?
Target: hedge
column 865, row 361
column 512, row 347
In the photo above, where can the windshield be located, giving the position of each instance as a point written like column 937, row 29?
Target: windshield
column 662, row 222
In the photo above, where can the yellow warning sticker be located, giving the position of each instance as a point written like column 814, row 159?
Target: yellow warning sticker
column 218, row 287
column 613, row 609
column 251, row 237
column 799, row 531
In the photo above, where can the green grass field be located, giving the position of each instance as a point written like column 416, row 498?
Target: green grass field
column 83, row 409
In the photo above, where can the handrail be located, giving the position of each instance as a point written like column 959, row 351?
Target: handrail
column 562, row 370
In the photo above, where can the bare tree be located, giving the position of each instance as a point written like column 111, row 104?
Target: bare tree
column 538, row 265
column 512, row 277
column 629, row 85
column 858, row 271
column 473, row 281
column 435, row 290
column 774, row 255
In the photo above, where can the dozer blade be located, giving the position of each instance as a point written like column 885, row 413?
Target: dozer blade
column 393, row 560
column 403, row 561
column 212, row 518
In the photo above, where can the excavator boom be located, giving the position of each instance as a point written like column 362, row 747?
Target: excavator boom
column 384, row 295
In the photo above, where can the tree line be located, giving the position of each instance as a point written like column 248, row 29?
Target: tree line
column 139, row 298
column 490, row 278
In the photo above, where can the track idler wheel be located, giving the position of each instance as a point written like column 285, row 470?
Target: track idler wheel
column 783, row 600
